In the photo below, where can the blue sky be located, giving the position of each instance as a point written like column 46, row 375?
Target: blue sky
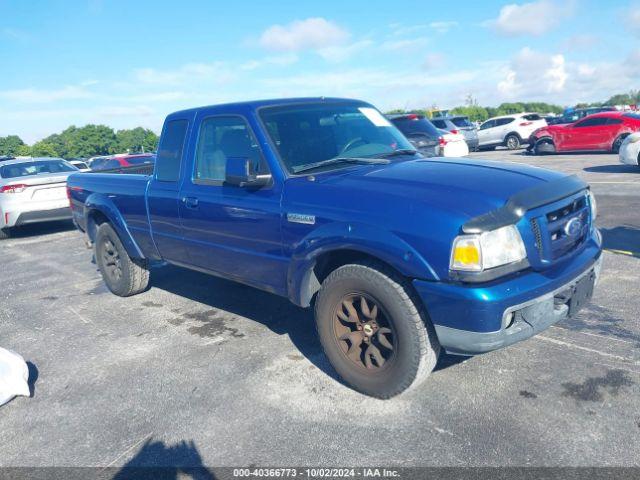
column 129, row 63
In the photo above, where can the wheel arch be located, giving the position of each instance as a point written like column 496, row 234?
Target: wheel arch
column 98, row 210
column 309, row 268
column 513, row 132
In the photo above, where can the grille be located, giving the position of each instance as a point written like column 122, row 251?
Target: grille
column 537, row 234
column 550, row 230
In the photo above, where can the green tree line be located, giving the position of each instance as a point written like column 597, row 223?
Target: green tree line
column 83, row 142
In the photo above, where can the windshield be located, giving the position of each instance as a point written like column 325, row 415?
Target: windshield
column 35, row 168
column 310, row 133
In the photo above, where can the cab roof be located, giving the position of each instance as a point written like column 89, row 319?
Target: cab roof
column 256, row 104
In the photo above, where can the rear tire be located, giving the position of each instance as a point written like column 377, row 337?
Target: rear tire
column 512, row 142
column 5, row 233
column 350, row 333
column 123, row 275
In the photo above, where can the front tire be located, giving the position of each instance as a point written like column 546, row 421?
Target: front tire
column 539, row 149
column 615, row 148
column 373, row 330
column 512, row 142
column 5, row 233
column 123, row 275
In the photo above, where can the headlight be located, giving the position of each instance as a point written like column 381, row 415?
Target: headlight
column 593, row 205
column 475, row 253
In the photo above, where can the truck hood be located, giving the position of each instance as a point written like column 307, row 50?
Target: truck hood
column 467, row 187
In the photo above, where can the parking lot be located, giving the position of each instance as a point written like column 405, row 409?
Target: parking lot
column 202, row 371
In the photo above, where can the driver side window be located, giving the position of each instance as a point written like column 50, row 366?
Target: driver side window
column 220, row 138
column 488, row 124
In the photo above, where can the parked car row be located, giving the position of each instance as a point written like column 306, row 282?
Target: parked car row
column 428, row 139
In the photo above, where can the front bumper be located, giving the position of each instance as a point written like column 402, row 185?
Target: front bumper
column 471, row 319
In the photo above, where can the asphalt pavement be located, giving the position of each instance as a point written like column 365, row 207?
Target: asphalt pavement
column 202, row 371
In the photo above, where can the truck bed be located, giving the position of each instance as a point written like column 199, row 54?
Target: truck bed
column 124, row 195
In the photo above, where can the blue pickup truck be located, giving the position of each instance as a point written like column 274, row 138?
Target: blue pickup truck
column 323, row 201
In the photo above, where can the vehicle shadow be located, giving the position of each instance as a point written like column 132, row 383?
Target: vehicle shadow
column 621, row 168
column 625, row 238
column 37, row 229
column 156, row 460
column 276, row 313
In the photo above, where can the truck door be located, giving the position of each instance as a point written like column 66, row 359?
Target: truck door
column 231, row 230
column 163, row 194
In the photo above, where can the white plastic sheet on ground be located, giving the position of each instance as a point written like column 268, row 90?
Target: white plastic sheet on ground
column 14, row 376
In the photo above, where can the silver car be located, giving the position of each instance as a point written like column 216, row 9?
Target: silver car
column 33, row 190
column 459, row 124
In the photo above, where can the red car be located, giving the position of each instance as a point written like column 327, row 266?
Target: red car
column 120, row 161
column 598, row 132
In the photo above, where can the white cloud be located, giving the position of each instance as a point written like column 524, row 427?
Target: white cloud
column 16, row 34
column 631, row 18
column 532, row 74
column 345, row 52
column 582, row 41
column 35, row 95
column 311, row 33
column 216, row 72
column 443, row 27
column 278, row 60
column 433, row 61
column 398, row 29
column 405, row 44
column 534, row 18
column 124, row 111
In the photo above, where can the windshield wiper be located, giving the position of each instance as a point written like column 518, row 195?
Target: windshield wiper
column 396, row 153
column 331, row 161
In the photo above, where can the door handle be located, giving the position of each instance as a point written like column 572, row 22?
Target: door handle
column 190, row 202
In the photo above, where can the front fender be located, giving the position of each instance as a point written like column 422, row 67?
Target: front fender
column 97, row 202
column 375, row 242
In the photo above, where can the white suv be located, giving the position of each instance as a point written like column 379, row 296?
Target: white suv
column 510, row 131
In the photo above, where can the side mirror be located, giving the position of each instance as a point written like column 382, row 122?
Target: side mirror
column 239, row 172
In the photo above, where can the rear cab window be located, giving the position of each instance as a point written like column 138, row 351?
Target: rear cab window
column 170, row 151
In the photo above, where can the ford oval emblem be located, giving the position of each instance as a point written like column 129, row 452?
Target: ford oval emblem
column 573, row 227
